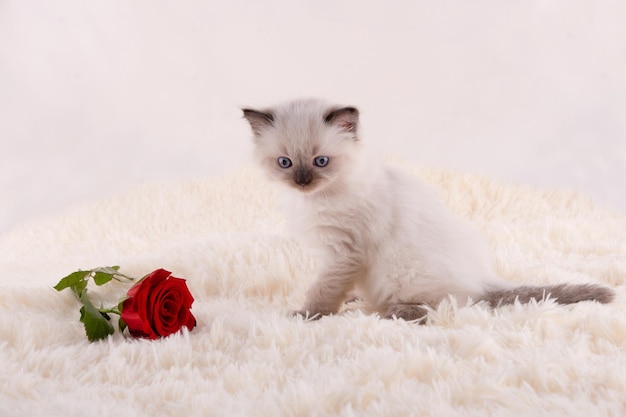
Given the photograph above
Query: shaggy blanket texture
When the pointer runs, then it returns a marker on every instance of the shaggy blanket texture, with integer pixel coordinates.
(246, 357)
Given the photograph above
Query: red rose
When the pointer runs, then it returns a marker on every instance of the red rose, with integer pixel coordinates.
(157, 306)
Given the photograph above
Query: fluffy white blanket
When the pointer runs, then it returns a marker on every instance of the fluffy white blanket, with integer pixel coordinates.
(247, 358)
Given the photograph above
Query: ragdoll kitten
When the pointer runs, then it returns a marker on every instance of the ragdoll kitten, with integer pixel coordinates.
(378, 230)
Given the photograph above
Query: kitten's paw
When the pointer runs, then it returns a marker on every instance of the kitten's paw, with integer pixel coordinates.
(408, 312)
(353, 299)
(305, 315)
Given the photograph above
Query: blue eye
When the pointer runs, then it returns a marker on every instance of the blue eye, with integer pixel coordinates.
(284, 162)
(321, 161)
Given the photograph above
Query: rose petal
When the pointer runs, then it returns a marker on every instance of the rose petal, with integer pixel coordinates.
(137, 310)
(158, 305)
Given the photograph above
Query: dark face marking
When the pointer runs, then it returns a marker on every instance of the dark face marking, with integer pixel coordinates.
(303, 176)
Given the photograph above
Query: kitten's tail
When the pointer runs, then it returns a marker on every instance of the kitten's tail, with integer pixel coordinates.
(562, 294)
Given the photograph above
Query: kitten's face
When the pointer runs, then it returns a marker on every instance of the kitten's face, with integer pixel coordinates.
(306, 145)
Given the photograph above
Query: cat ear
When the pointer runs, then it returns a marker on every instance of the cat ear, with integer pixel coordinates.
(258, 120)
(345, 118)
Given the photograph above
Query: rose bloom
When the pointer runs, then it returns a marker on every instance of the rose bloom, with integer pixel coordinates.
(157, 306)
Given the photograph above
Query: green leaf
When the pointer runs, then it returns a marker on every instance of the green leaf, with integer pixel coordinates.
(97, 325)
(120, 303)
(74, 280)
(111, 270)
(101, 278)
(122, 325)
(79, 288)
(120, 306)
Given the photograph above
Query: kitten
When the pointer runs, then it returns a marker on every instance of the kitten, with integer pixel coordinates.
(377, 229)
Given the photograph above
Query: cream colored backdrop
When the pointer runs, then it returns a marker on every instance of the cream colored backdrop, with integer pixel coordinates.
(96, 97)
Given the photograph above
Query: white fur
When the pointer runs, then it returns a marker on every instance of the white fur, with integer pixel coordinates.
(377, 228)
(414, 249)
(246, 358)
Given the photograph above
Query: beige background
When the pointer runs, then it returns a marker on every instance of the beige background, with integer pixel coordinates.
(96, 97)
